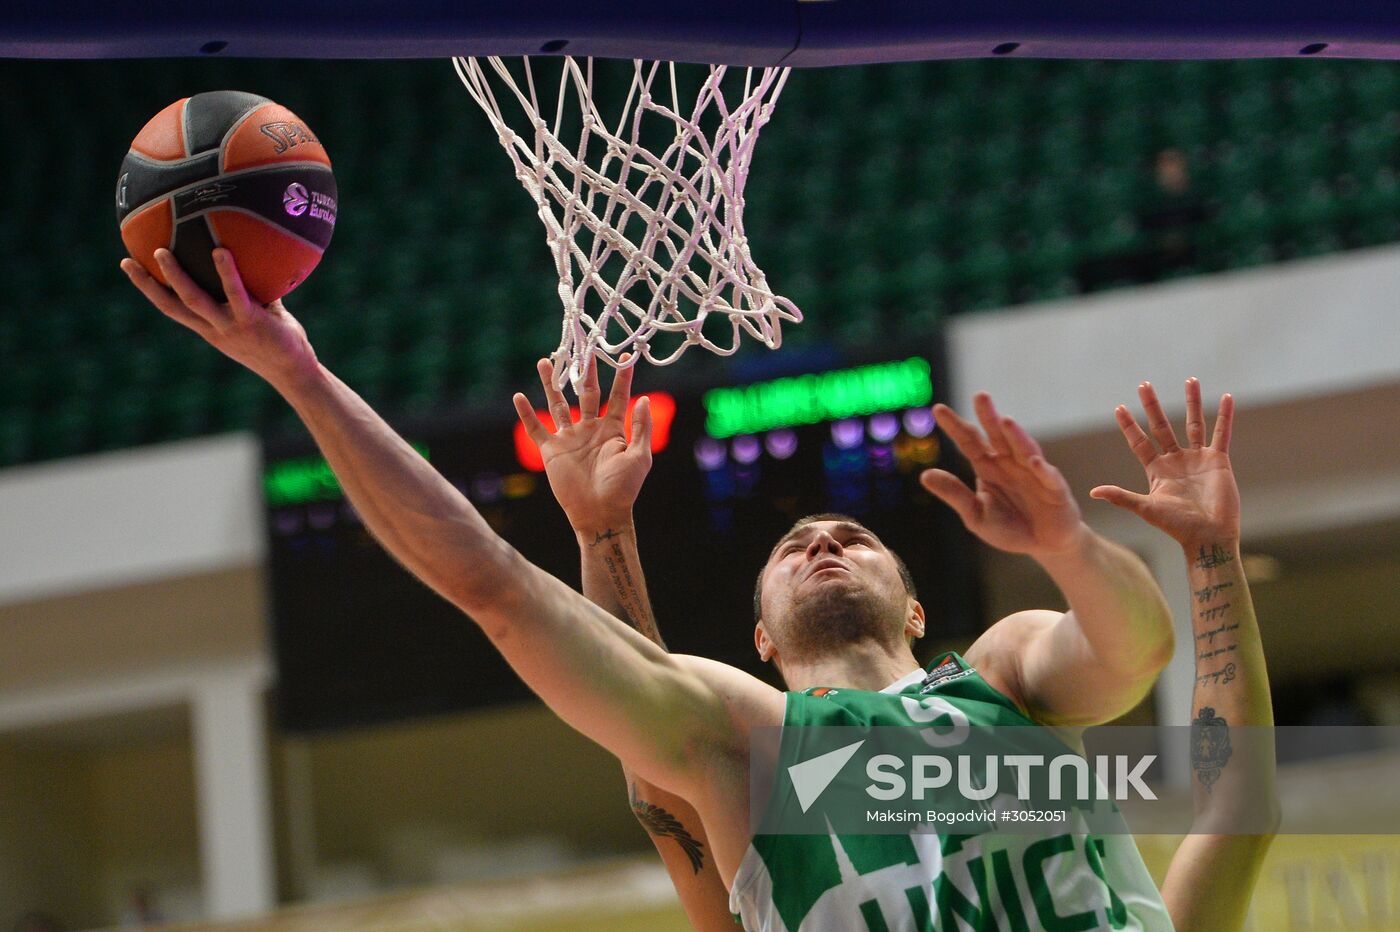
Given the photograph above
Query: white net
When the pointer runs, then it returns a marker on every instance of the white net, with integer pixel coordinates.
(644, 213)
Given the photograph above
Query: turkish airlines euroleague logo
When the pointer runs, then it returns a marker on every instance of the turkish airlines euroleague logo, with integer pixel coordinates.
(296, 201)
(286, 136)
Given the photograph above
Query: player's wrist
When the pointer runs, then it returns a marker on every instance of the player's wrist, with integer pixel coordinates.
(1073, 546)
(604, 528)
(294, 376)
(1227, 542)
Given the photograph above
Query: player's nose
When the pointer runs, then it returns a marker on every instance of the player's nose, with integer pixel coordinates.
(823, 543)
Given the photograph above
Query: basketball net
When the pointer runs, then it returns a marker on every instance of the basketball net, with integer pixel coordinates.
(646, 240)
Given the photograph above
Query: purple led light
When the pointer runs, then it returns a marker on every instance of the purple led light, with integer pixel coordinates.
(919, 422)
(884, 427)
(781, 444)
(288, 521)
(321, 517)
(487, 488)
(709, 454)
(847, 433)
(746, 449)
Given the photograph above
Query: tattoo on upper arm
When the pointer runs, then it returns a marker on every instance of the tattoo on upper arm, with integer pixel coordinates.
(662, 824)
(1210, 746)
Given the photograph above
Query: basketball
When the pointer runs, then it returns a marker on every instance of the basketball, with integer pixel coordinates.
(231, 169)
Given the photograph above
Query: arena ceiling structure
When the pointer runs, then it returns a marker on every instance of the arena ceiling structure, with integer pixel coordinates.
(738, 32)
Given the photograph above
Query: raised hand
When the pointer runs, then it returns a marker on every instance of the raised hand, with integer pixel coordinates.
(1021, 504)
(594, 471)
(1191, 491)
(266, 339)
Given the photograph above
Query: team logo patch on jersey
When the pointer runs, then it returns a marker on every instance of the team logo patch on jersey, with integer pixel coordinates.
(823, 691)
(946, 671)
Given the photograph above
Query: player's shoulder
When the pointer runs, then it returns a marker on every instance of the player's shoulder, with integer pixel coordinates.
(998, 652)
(749, 700)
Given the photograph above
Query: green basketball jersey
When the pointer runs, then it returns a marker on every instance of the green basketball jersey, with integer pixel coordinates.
(926, 882)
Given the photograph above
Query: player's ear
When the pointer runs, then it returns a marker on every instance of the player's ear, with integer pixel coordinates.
(914, 624)
(766, 649)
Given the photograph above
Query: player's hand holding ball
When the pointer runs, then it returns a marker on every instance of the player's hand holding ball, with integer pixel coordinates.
(1021, 504)
(265, 338)
(216, 174)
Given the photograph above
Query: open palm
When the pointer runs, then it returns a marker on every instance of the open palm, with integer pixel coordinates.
(1020, 504)
(1191, 494)
(594, 471)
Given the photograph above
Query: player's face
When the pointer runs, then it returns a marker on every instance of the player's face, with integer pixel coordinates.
(829, 582)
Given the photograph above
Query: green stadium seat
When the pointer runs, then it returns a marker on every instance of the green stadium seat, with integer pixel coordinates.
(63, 430)
(242, 402)
(438, 287)
(983, 277)
(16, 442)
(124, 419)
(183, 409)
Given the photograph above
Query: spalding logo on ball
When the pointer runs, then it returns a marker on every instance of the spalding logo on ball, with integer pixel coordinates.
(234, 170)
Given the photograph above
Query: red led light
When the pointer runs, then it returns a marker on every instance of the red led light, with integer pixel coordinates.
(663, 412)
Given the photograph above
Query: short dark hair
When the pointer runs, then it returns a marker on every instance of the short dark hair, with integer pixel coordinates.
(905, 576)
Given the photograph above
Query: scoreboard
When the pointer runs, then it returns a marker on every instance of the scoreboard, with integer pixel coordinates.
(358, 640)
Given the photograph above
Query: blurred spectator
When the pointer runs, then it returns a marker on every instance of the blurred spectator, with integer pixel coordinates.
(141, 909)
(1172, 222)
(38, 922)
(1169, 224)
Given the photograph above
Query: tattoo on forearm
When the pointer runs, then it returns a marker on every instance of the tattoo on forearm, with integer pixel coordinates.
(1210, 634)
(1210, 746)
(1212, 613)
(1217, 677)
(609, 534)
(662, 824)
(636, 609)
(1216, 652)
(1216, 556)
(1209, 592)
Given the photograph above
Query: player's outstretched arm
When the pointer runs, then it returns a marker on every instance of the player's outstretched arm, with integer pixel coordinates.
(1080, 667)
(1192, 496)
(596, 473)
(657, 711)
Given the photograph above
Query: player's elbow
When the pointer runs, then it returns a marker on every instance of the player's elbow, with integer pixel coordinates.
(1148, 654)
(1267, 816)
(489, 584)
(1160, 647)
(1156, 641)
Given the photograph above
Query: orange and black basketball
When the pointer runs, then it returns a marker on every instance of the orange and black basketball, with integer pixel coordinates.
(228, 169)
